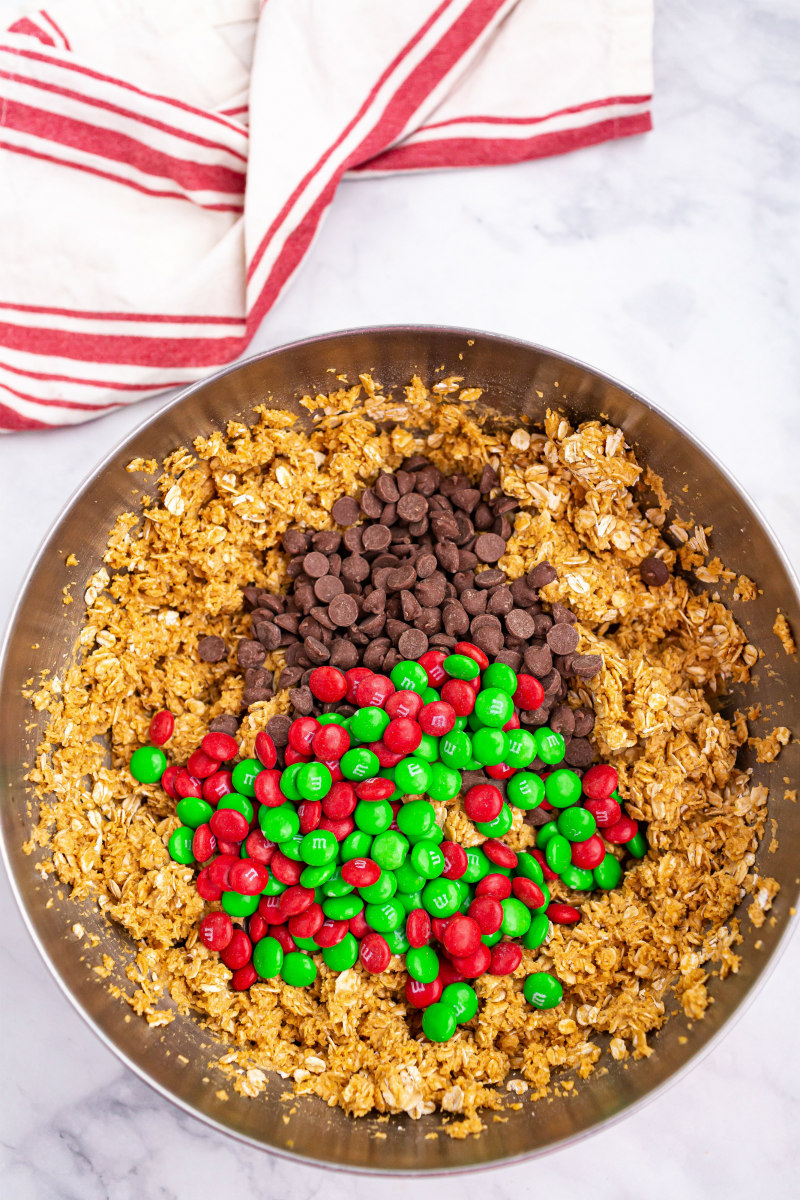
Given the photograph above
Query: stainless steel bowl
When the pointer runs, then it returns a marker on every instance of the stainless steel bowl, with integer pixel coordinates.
(518, 378)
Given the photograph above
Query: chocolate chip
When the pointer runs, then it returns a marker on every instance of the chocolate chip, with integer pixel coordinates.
(584, 721)
(562, 639)
(373, 625)
(500, 602)
(466, 499)
(490, 578)
(427, 481)
(345, 510)
(474, 601)
(315, 564)
(278, 729)
(415, 462)
(405, 482)
(483, 518)
(385, 489)
(486, 621)
(389, 515)
(294, 541)
(375, 653)
(653, 571)
(412, 644)
(489, 480)
(540, 576)
(411, 607)
(375, 601)
(302, 700)
(523, 596)
(520, 623)
(455, 618)
(543, 623)
(585, 666)
(562, 719)
(447, 554)
(316, 650)
(511, 658)
(401, 578)
(444, 527)
(376, 538)
(226, 723)
(425, 565)
(562, 615)
(355, 568)
(343, 611)
(352, 539)
(430, 592)
(412, 507)
(250, 654)
(579, 752)
(290, 677)
(429, 621)
(371, 506)
(489, 640)
(327, 587)
(539, 661)
(327, 541)
(268, 634)
(502, 527)
(212, 648)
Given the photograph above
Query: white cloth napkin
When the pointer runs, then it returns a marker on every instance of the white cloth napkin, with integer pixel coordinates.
(165, 164)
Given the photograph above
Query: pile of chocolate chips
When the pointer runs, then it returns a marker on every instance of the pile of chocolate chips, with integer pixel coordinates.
(417, 572)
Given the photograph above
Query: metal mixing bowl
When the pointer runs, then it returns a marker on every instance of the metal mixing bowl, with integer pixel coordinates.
(519, 379)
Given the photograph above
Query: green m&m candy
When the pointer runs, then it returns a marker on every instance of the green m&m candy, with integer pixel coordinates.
(193, 811)
(637, 846)
(499, 826)
(422, 964)
(544, 833)
(314, 781)
(440, 897)
(538, 931)
(558, 853)
(180, 846)
(428, 748)
(412, 775)
(516, 918)
(288, 781)
(382, 889)
(550, 746)
(359, 764)
(343, 955)
(577, 878)
(439, 1022)
(416, 819)
(499, 675)
(461, 666)
(478, 865)
(319, 848)
(148, 764)
(409, 676)
(342, 908)
(493, 707)
(389, 850)
(462, 999)
(455, 749)
(529, 867)
(279, 824)
(576, 824)
(383, 917)
(562, 788)
(314, 877)
(336, 886)
(396, 940)
(542, 990)
(268, 958)
(525, 789)
(427, 859)
(368, 724)
(244, 776)
(298, 970)
(489, 747)
(373, 816)
(608, 873)
(445, 782)
(236, 905)
(520, 748)
(357, 844)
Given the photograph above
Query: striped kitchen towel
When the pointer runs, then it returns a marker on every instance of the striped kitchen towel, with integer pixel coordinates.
(165, 164)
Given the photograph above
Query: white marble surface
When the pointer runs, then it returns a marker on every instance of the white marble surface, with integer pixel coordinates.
(669, 260)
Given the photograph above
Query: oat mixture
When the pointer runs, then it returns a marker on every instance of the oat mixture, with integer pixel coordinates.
(174, 573)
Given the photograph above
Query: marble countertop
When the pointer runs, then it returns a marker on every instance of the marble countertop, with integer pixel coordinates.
(668, 260)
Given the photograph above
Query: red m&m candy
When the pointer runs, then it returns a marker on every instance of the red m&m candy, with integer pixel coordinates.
(328, 684)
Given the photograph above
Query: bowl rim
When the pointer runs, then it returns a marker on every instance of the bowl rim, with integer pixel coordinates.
(184, 394)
